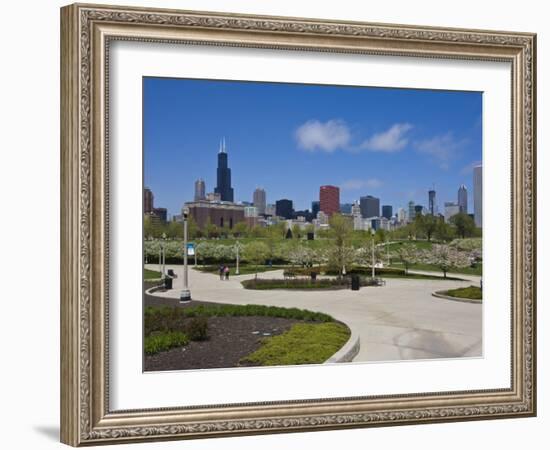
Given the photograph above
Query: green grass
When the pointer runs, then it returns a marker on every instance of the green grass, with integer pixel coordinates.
(304, 343)
(151, 275)
(471, 292)
(244, 269)
(160, 342)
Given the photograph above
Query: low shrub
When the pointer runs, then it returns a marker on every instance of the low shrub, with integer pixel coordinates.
(197, 328)
(162, 318)
(367, 271)
(161, 342)
(305, 283)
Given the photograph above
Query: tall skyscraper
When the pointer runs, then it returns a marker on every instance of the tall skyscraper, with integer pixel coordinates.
(432, 208)
(478, 195)
(223, 176)
(148, 201)
(370, 206)
(284, 208)
(387, 211)
(463, 199)
(401, 215)
(259, 200)
(451, 209)
(329, 199)
(411, 213)
(315, 208)
(200, 190)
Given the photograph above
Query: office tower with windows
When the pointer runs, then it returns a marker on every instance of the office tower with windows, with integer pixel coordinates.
(387, 211)
(223, 186)
(463, 199)
(259, 200)
(200, 190)
(329, 199)
(370, 206)
(478, 196)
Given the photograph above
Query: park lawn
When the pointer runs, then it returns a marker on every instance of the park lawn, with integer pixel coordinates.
(478, 270)
(244, 269)
(304, 343)
(471, 292)
(151, 275)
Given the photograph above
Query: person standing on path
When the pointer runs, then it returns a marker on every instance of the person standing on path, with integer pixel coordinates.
(226, 270)
(221, 271)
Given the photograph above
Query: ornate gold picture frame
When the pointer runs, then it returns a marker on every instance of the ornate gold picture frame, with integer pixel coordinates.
(87, 32)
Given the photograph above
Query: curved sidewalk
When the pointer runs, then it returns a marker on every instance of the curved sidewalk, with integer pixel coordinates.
(399, 321)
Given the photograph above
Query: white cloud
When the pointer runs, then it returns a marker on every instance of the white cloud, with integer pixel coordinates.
(392, 140)
(443, 148)
(355, 185)
(326, 137)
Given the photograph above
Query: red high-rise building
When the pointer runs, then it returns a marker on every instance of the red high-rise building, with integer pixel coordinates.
(329, 199)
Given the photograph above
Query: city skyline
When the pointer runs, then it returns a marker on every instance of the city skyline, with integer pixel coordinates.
(395, 161)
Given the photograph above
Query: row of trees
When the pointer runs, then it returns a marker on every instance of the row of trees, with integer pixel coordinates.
(429, 227)
(424, 227)
(340, 257)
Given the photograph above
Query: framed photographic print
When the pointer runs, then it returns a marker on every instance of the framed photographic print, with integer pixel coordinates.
(277, 224)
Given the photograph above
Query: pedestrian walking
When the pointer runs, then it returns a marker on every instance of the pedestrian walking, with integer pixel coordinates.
(221, 270)
(226, 270)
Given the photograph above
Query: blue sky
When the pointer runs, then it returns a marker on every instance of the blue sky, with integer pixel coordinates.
(290, 139)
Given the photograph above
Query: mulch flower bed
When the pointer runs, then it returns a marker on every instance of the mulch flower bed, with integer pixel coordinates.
(229, 340)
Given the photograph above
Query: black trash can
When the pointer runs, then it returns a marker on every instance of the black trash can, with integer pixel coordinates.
(313, 276)
(168, 283)
(355, 282)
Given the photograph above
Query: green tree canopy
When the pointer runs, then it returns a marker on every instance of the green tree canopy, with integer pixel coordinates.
(465, 225)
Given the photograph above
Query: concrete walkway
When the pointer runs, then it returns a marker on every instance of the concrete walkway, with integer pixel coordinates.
(398, 321)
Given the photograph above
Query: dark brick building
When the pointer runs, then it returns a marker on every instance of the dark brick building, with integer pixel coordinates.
(221, 214)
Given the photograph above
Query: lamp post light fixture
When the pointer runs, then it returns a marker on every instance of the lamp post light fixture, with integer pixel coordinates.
(164, 255)
(185, 295)
(237, 249)
(161, 248)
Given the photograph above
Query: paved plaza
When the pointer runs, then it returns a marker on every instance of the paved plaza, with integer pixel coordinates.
(399, 321)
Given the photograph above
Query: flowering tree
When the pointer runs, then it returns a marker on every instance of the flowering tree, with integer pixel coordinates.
(301, 256)
(363, 255)
(408, 254)
(340, 257)
(446, 258)
(256, 253)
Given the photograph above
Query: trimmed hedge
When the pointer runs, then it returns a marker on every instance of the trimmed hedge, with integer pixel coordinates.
(163, 316)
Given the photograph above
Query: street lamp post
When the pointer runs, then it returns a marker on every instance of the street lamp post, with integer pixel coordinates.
(372, 231)
(237, 247)
(185, 295)
(160, 259)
